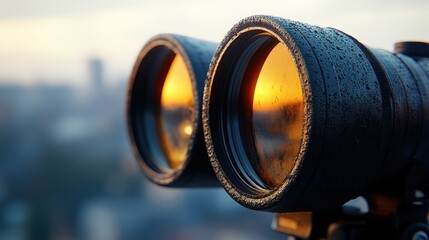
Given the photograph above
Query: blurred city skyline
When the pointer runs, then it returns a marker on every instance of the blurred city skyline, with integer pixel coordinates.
(66, 167)
(67, 172)
(51, 41)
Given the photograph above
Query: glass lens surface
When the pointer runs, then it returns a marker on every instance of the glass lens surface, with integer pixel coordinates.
(277, 116)
(176, 113)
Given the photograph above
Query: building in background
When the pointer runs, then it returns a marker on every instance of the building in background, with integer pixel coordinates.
(96, 73)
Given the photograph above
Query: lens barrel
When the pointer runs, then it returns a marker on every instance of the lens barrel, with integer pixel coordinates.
(365, 117)
(164, 111)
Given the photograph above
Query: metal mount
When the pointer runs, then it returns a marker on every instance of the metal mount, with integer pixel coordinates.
(401, 216)
(390, 219)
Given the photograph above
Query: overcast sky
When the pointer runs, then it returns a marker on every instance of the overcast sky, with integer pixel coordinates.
(51, 40)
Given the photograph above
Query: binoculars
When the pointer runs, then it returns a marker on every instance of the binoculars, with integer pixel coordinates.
(285, 116)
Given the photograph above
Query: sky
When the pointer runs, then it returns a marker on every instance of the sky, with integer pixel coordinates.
(51, 41)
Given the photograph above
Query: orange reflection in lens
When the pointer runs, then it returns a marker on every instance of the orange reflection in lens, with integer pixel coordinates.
(177, 112)
(277, 116)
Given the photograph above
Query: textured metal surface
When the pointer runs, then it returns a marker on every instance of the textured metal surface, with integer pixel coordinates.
(141, 105)
(365, 116)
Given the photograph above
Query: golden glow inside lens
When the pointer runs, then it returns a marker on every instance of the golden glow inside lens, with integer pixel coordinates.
(277, 116)
(176, 115)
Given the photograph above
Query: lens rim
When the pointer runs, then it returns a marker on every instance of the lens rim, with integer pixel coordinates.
(215, 118)
(143, 112)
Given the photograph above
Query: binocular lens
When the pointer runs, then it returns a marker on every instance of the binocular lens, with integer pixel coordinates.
(298, 117)
(164, 108)
(277, 114)
(176, 113)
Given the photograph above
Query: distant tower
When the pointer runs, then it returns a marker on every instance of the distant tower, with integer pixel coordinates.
(96, 73)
